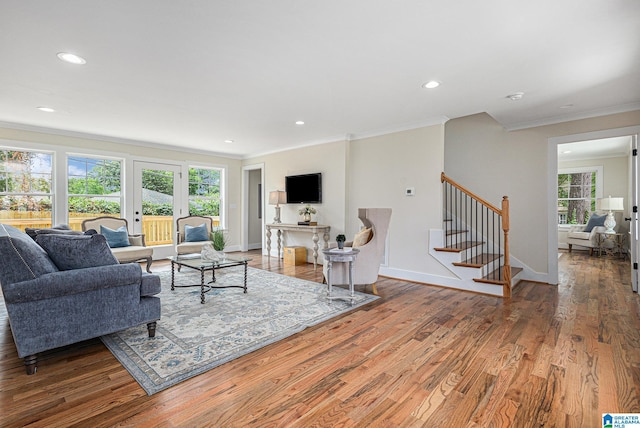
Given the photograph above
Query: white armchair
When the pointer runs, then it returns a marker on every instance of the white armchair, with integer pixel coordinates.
(591, 239)
(577, 236)
(367, 264)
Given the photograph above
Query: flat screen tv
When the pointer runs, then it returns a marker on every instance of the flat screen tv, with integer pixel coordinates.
(305, 188)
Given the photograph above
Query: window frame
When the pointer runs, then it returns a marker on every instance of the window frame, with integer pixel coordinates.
(121, 198)
(53, 182)
(221, 188)
(598, 169)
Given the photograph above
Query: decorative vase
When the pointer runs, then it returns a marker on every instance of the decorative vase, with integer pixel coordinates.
(307, 216)
(340, 245)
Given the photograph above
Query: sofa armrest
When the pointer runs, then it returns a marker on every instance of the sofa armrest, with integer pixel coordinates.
(70, 282)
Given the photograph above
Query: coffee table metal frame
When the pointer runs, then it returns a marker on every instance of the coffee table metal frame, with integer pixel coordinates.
(203, 266)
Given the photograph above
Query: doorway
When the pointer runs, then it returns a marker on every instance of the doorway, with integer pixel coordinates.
(611, 183)
(253, 212)
(156, 205)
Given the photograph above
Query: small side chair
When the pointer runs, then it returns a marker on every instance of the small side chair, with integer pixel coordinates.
(189, 238)
(135, 251)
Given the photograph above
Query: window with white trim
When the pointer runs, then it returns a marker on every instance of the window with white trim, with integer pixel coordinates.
(26, 188)
(578, 189)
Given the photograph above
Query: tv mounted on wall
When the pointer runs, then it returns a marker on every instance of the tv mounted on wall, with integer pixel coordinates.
(305, 188)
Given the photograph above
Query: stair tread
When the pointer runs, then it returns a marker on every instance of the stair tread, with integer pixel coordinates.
(455, 232)
(479, 260)
(460, 246)
(494, 277)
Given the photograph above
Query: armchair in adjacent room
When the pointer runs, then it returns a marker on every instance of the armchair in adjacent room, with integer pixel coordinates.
(127, 248)
(371, 243)
(588, 235)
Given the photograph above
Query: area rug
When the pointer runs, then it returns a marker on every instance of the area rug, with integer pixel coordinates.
(192, 338)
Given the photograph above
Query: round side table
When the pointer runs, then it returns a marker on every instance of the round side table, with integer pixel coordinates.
(335, 255)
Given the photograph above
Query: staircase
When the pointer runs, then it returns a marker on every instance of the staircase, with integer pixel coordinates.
(474, 241)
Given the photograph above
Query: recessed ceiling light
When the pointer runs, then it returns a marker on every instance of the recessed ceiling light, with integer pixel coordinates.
(515, 96)
(71, 58)
(46, 109)
(228, 141)
(432, 84)
(567, 106)
(299, 122)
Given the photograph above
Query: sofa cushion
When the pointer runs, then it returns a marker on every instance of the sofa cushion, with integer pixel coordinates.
(21, 258)
(61, 228)
(116, 238)
(196, 233)
(77, 251)
(595, 220)
(579, 235)
(132, 252)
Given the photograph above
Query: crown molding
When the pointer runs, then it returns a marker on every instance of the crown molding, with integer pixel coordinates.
(570, 117)
(106, 138)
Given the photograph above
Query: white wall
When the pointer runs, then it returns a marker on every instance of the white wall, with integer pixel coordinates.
(491, 161)
(380, 170)
(328, 159)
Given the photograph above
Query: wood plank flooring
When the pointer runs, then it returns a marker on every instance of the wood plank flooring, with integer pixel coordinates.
(419, 356)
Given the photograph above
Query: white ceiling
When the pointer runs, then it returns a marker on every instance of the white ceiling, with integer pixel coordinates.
(595, 149)
(195, 73)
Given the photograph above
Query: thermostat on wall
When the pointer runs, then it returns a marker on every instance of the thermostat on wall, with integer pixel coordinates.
(410, 191)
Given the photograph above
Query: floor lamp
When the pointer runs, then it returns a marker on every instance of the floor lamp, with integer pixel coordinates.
(276, 198)
(610, 204)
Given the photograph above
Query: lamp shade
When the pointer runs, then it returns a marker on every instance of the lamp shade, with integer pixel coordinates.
(611, 204)
(277, 197)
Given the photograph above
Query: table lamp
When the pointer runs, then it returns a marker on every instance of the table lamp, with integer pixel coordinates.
(276, 198)
(610, 204)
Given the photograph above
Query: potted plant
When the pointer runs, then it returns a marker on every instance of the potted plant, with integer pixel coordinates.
(340, 240)
(218, 239)
(306, 212)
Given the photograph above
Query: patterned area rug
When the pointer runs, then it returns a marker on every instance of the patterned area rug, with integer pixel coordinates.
(192, 338)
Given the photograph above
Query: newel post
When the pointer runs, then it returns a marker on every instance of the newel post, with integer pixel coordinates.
(507, 264)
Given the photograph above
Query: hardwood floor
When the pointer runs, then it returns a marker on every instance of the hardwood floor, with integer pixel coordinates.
(419, 356)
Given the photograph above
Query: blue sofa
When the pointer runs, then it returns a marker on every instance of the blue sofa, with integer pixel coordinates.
(64, 288)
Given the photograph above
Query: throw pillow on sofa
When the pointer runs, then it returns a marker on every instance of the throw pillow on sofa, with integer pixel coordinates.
(61, 228)
(77, 251)
(116, 238)
(196, 233)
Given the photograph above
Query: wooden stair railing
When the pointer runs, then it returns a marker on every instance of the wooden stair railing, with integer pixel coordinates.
(467, 213)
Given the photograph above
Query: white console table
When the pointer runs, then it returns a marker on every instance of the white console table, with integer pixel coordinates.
(315, 230)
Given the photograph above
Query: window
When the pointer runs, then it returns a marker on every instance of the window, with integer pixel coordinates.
(204, 192)
(577, 193)
(26, 188)
(93, 189)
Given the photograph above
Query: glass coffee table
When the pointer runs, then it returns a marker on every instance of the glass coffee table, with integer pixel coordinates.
(197, 263)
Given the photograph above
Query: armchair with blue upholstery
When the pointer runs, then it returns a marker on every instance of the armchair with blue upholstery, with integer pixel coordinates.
(65, 288)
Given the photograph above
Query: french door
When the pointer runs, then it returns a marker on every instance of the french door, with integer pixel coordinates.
(156, 203)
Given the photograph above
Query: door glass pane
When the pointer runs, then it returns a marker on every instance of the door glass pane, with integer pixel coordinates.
(157, 206)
